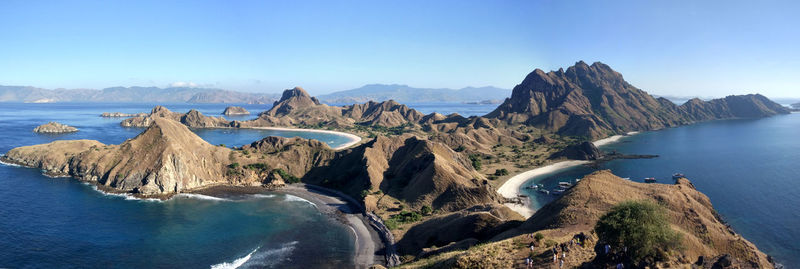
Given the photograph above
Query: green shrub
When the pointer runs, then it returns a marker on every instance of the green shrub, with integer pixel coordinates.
(460, 149)
(407, 217)
(641, 226)
(391, 224)
(538, 237)
(257, 166)
(501, 172)
(426, 210)
(233, 165)
(288, 178)
(476, 161)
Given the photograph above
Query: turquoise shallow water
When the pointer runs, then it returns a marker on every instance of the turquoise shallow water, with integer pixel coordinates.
(62, 223)
(750, 169)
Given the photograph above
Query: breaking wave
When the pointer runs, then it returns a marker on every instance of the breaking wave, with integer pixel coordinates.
(256, 259)
(292, 198)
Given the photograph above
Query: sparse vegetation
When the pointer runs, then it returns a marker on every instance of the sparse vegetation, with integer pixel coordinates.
(501, 172)
(476, 161)
(538, 237)
(407, 217)
(426, 210)
(459, 149)
(288, 178)
(257, 166)
(233, 165)
(642, 227)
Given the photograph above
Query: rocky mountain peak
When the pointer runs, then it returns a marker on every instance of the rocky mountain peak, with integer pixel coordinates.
(292, 99)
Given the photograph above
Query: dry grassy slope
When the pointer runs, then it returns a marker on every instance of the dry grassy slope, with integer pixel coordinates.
(689, 212)
(168, 158)
(193, 119)
(595, 101)
(417, 171)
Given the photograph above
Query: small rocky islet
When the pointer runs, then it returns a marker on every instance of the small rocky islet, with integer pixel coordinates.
(235, 111)
(54, 128)
(431, 177)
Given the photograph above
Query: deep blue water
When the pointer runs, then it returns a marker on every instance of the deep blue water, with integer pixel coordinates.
(750, 169)
(62, 223)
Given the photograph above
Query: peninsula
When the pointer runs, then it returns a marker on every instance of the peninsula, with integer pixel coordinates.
(431, 179)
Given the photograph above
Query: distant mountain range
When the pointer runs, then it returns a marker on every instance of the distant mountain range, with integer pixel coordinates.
(407, 94)
(371, 92)
(133, 95)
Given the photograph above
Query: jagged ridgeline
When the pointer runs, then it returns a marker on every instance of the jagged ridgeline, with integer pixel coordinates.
(430, 177)
(595, 101)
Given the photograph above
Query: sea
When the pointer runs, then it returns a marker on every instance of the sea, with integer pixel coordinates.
(749, 169)
(63, 223)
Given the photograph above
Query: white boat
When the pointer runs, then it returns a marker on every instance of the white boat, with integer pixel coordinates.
(565, 185)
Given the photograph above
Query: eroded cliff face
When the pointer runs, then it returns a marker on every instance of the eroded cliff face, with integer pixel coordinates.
(192, 119)
(168, 158)
(595, 101)
(419, 172)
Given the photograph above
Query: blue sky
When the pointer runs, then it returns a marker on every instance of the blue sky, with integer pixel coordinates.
(697, 48)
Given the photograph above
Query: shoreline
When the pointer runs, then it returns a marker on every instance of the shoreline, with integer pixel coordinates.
(511, 188)
(334, 205)
(611, 139)
(354, 139)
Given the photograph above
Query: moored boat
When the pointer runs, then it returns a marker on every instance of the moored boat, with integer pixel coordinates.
(650, 180)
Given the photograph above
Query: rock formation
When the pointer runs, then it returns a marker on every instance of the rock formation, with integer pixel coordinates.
(168, 158)
(54, 128)
(707, 240)
(192, 119)
(235, 111)
(419, 172)
(297, 108)
(595, 101)
(583, 151)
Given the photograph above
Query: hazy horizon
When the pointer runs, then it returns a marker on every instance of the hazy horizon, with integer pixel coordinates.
(677, 48)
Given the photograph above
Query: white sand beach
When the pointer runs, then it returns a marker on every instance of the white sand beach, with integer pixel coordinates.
(612, 139)
(511, 188)
(354, 139)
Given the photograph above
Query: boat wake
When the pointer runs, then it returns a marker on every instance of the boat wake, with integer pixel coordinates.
(292, 198)
(264, 259)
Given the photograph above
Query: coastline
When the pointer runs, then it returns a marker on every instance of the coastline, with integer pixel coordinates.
(331, 203)
(511, 188)
(611, 139)
(354, 139)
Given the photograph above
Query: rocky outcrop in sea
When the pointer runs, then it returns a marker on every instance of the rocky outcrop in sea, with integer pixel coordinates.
(54, 128)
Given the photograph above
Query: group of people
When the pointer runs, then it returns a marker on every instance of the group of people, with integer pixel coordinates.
(559, 251)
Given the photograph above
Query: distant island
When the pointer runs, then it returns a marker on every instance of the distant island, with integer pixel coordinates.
(407, 94)
(796, 106)
(132, 95)
(432, 180)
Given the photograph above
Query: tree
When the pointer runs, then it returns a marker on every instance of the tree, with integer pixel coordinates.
(642, 227)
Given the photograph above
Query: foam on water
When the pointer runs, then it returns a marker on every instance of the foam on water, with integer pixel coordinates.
(9, 164)
(201, 197)
(263, 259)
(235, 263)
(292, 198)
